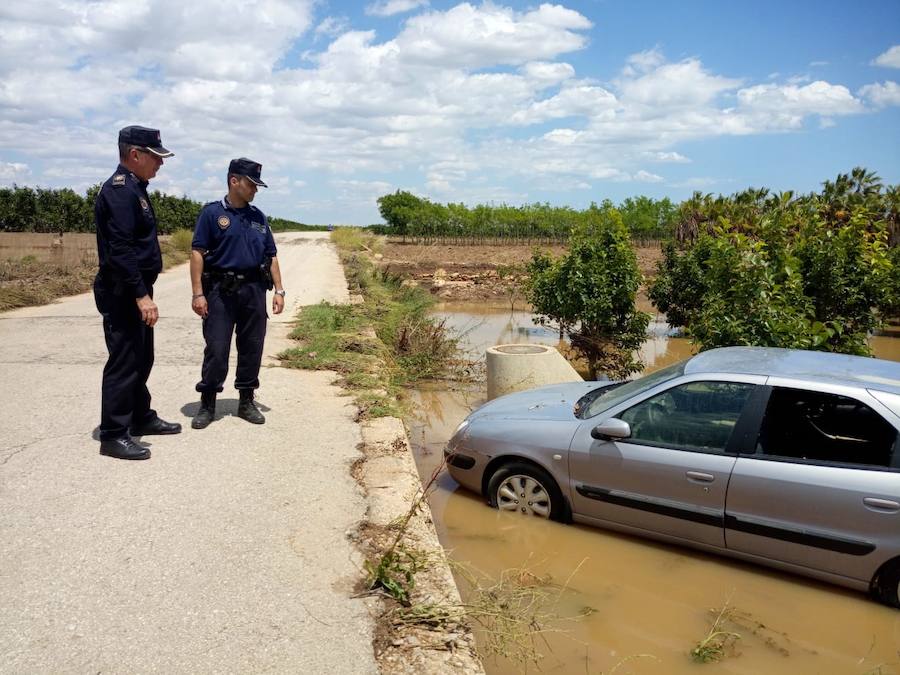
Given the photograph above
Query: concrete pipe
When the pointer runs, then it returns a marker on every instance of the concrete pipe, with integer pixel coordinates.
(516, 367)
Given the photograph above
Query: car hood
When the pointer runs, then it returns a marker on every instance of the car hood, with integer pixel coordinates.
(554, 402)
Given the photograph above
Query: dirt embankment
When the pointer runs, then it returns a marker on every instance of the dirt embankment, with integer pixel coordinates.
(457, 273)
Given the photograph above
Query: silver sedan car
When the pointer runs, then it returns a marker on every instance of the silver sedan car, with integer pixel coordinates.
(782, 457)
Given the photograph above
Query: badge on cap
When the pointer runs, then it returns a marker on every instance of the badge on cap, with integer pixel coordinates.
(224, 222)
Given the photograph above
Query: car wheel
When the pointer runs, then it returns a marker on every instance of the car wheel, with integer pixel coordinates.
(887, 584)
(527, 490)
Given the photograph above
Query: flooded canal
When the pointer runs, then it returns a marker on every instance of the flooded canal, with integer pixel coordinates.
(632, 605)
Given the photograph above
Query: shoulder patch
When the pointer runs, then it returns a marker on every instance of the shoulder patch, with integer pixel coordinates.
(118, 180)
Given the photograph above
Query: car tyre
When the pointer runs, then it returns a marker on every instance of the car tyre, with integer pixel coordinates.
(886, 587)
(527, 490)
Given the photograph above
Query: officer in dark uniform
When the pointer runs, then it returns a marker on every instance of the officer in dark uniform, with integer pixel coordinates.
(130, 261)
(233, 263)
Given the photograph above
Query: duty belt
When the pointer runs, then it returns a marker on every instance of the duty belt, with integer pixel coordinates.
(230, 280)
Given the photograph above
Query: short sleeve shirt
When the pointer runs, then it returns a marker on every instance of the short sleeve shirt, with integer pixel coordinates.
(234, 239)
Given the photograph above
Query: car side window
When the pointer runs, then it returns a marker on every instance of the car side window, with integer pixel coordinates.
(817, 426)
(697, 416)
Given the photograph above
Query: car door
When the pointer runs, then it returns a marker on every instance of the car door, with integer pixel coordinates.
(670, 476)
(822, 487)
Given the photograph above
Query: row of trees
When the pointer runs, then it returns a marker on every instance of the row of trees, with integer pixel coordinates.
(25, 209)
(407, 215)
(819, 271)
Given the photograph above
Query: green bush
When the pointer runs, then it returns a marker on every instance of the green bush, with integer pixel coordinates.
(590, 292)
(813, 272)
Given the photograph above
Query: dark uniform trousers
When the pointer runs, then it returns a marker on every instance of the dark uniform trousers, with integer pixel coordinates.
(125, 398)
(241, 312)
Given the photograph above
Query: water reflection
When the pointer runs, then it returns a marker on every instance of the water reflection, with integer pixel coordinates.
(647, 598)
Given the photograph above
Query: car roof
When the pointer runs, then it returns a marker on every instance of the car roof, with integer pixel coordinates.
(859, 371)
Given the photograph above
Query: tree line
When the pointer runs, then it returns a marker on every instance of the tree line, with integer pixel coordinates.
(408, 215)
(26, 209)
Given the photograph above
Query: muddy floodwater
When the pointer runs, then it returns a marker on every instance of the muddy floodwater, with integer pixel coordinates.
(630, 605)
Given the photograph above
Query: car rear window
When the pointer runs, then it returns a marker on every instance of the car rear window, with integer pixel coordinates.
(823, 427)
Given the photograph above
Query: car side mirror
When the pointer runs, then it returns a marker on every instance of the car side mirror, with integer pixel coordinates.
(611, 429)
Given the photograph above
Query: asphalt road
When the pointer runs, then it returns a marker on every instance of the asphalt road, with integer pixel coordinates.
(225, 552)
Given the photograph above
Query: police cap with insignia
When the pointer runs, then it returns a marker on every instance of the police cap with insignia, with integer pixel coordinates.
(144, 138)
(247, 167)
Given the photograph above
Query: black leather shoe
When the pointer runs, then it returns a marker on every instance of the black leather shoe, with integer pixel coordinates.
(124, 448)
(157, 427)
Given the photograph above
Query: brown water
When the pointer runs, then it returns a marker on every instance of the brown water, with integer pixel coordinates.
(650, 602)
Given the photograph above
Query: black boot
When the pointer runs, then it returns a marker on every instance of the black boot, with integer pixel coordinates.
(207, 411)
(247, 409)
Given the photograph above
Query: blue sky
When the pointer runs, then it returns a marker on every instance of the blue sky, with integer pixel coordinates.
(499, 102)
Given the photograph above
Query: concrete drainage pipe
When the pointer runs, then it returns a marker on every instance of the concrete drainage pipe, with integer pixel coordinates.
(516, 367)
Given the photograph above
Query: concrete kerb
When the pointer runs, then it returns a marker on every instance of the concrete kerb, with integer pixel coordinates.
(391, 482)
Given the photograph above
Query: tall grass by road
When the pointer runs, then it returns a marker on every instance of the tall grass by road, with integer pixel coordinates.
(379, 344)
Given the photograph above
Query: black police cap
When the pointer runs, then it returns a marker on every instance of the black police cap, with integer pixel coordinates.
(144, 138)
(247, 167)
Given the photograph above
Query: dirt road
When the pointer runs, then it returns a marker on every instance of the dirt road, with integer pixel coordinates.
(225, 552)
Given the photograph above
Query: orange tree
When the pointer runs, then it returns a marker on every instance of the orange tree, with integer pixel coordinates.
(589, 292)
(814, 272)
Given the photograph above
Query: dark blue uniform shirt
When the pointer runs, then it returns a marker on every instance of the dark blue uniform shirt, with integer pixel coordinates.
(127, 243)
(234, 239)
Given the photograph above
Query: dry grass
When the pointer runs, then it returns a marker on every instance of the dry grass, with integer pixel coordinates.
(26, 282)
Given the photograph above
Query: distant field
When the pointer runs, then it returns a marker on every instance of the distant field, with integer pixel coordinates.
(62, 250)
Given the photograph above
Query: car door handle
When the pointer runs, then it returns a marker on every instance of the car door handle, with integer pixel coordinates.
(702, 477)
(882, 504)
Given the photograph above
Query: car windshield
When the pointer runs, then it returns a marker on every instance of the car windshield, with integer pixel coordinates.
(610, 396)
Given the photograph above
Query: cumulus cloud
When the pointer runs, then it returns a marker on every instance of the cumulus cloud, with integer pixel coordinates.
(331, 26)
(391, 7)
(683, 84)
(475, 101)
(667, 157)
(881, 95)
(890, 58)
(647, 177)
(489, 35)
(10, 172)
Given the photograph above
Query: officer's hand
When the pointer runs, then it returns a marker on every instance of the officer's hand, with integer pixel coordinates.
(199, 306)
(149, 311)
(277, 304)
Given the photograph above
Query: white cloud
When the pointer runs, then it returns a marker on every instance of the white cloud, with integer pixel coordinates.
(769, 106)
(683, 84)
(547, 73)
(489, 35)
(881, 95)
(10, 172)
(332, 26)
(474, 102)
(668, 157)
(890, 58)
(647, 177)
(391, 7)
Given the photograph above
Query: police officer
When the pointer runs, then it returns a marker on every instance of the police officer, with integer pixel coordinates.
(233, 263)
(130, 261)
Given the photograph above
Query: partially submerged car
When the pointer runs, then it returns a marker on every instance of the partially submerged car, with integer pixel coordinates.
(786, 458)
